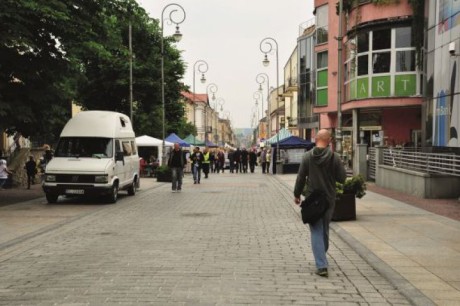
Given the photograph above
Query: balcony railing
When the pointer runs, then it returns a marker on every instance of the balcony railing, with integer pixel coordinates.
(311, 119)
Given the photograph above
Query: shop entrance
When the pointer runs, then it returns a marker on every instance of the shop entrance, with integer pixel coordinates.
(372, 136)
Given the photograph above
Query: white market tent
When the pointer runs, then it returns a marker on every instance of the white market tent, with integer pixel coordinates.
(148, 141)
(283, 133)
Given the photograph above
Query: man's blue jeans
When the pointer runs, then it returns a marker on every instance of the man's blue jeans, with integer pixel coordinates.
(196, 173)
(177, 174)
(320, 241)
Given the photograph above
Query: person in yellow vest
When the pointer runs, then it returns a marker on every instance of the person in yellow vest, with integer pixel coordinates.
(206, 161)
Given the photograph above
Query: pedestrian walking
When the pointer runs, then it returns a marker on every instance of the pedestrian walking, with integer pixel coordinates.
(320, 169)
(268, 157)
(176, 162)
(31, 169)
(221, 160)
(252, 160)
(231, 159)
(4, 172)
(263, 159)
(197, 161)
(206, 162)
(244, 160)
(237, 157)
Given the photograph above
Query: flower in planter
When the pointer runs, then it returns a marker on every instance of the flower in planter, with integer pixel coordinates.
(353, 185)
(162, 170)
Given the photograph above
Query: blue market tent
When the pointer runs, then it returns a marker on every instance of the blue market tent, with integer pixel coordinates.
(174, 138)
(210, 144)
(294, 142)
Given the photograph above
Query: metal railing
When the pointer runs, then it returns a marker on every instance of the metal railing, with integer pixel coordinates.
(371, 163)
(448, 164)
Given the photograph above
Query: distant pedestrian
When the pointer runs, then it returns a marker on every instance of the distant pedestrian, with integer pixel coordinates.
(231, 159)
(263, 160)
(4, 172)
(252, 160)
(176, 162)
(31, 169)
(197, 163)
(268, 157)
(320, 169)
(237, 157)
(244, 160)
(221, 161)
(206, 163)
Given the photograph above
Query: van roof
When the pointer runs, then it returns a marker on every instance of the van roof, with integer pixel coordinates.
(98, 124)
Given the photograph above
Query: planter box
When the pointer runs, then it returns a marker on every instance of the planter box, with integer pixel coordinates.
(345, 208)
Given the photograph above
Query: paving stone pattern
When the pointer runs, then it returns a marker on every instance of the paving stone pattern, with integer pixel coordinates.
(234, 239)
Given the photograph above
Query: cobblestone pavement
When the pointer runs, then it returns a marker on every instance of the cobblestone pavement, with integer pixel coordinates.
(234, 239)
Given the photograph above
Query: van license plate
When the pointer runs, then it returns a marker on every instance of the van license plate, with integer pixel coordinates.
(75, 191)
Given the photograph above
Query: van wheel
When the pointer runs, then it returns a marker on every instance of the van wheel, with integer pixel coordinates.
(113, 196)
(133, 188)
(51, 198)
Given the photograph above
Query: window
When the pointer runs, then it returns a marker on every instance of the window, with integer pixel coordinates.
(363, 64)
(384, 64)
(321, 78)
(322, 16)
(381, 39)
(321, 60)
(85, 147)
(404, 37)
(127, 149)
(405, 61)
(363, 42)
(381, 62)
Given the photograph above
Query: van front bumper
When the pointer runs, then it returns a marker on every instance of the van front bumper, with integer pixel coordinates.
(82, 190)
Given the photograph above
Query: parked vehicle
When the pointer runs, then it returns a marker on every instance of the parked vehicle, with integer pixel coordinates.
(96, 156)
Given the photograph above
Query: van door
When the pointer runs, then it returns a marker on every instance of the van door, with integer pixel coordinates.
(119, 167)
(128, 167)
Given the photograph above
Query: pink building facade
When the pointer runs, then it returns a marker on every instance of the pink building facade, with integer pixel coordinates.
(381, 83)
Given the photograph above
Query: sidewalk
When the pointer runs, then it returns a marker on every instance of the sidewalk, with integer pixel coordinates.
(22, 194)
(416, 249)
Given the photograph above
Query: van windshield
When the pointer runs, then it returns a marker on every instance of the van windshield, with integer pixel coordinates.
(92, 147)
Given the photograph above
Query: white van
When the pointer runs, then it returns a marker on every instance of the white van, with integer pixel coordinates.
(96, 156)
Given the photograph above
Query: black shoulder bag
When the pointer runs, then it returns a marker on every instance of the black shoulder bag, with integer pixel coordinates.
(315, 205)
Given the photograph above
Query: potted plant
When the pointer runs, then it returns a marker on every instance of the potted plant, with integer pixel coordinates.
(345, 204)
(163, 174)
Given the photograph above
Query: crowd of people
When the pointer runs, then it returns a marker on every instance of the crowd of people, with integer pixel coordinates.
(206, 161)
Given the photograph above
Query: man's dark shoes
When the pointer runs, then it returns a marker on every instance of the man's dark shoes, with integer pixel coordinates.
(322, 272)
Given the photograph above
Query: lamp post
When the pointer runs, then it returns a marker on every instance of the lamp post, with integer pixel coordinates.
(200, 66)
(269, 44)
(338, 134)
(213, 89)
(174, 8)
(257, 96)
(261, 78)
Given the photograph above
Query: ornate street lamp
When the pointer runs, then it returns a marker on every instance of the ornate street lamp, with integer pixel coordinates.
(200, 66)
(261, 78)
(213, 89)
(266, 46)
(173, 9)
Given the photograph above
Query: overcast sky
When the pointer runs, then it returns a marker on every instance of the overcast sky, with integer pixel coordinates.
(227, 34)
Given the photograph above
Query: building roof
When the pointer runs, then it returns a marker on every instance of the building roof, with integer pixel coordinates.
(197, 97)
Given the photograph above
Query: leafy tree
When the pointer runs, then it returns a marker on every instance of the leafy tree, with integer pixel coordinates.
(53, 52)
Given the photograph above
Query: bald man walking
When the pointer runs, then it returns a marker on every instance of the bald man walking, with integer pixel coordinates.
(320, 169)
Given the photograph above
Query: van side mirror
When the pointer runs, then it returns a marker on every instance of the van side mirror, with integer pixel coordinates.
(119, 157)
